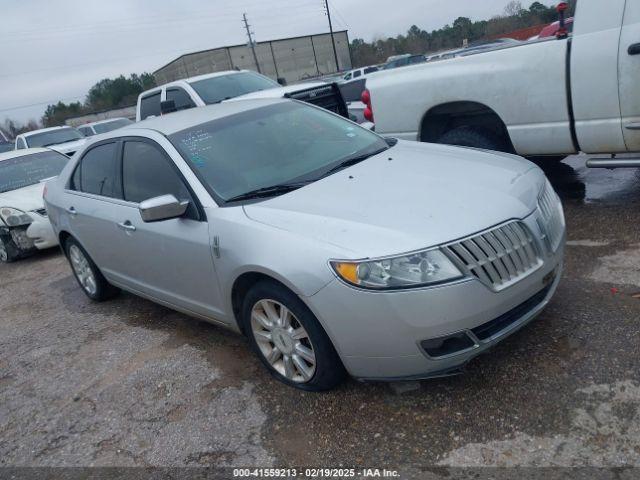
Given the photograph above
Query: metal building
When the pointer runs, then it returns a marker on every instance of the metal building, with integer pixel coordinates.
(293, 59)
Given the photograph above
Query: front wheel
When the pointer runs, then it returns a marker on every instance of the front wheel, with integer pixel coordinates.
(89, 277)
(289, 340)
(9, 251)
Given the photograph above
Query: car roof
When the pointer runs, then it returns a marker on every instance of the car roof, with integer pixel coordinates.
(41, 130)
(205, 76)
(22, 153)
(177, 121)
(99, 122)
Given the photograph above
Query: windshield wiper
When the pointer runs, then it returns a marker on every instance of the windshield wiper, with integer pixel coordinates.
(350, 161)
(271, 191)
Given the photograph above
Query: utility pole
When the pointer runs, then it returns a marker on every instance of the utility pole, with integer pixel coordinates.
(333, 40)
(252, 44)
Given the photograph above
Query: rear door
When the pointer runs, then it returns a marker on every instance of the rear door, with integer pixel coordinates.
(629, 68)
(94, 197)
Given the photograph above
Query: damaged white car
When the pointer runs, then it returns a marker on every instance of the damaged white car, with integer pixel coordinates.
(24, 225)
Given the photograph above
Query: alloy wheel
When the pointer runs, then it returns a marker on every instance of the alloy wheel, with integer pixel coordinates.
(83, 270)
(283, 341)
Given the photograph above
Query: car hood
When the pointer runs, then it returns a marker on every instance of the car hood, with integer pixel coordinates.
(25, 199)
(410, 197)
(69, 146)
(278, 92)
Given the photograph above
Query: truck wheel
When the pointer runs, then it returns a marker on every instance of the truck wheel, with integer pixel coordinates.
(476, 137)
(9, 251)
(289, 340)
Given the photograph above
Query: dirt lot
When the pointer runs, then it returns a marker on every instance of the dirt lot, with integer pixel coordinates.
(129, 383)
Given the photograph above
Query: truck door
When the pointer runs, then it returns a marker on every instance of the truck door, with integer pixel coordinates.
(629, 68)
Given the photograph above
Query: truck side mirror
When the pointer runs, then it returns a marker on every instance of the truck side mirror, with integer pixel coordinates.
(168, 106)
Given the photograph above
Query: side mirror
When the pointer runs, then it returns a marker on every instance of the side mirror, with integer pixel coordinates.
(168, 106)
(161, 208)
(282, 81)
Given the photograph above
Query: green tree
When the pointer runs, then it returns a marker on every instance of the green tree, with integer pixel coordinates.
(106, 94)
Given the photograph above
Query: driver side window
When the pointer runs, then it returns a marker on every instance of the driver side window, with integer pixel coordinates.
(147, 172)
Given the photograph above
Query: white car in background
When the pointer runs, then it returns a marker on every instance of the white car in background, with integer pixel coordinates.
(359, 73)
(103, 126)
(24, 224)
(61, 139)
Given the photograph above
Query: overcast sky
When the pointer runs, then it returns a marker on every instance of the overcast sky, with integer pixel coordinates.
(56, 50)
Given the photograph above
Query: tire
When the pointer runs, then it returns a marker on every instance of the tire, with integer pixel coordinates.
(327, 370)
(87, 274)
(9, 251)
(476, 137)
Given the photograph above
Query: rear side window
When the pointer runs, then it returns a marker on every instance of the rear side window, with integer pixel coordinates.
(181, 98)
(97, 172)
(357, 73)
(148, 173)
(150, 105)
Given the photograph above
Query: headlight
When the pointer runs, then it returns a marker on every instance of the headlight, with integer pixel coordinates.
(418, 269)
(13, 217)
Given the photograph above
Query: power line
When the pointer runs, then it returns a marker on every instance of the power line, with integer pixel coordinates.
(47, 102)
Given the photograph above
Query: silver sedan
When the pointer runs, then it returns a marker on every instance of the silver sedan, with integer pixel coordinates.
(332, 249)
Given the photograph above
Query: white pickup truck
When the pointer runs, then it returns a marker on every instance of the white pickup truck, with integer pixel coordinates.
(233, 85)
(546, 98)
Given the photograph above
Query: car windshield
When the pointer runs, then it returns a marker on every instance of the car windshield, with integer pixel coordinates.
(30, 169)
(53, 137)
(217, 89)
(113, 125)
(283, 143)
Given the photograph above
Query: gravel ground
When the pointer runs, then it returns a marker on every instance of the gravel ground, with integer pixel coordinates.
(130, 383)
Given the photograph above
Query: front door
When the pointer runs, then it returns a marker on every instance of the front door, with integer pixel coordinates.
(169, 260)
(629, 68)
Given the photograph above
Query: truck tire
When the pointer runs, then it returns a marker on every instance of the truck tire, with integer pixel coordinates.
(476, 137)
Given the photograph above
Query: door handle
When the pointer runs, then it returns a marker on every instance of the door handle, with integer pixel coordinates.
(633, 126)
(72, 211)
(128, 226)
(634, 49)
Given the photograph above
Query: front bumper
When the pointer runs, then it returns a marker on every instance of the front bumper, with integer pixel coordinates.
(38, 235)
(378, 334)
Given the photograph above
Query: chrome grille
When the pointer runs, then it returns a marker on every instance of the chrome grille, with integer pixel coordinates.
(498, 257)
(551, 219)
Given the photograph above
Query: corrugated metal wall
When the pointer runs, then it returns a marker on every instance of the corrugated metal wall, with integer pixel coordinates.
(292, 59)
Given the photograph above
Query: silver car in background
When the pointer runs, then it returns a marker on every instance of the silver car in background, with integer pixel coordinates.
(334, 250)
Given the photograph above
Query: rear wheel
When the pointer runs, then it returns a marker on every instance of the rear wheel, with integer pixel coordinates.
(476, 137)
(289, 340)
(9, 251)
(89, 277)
